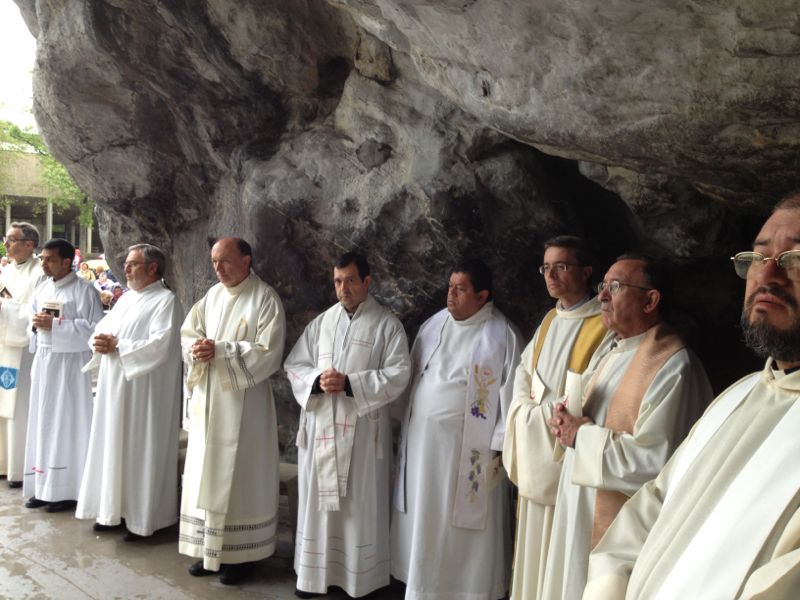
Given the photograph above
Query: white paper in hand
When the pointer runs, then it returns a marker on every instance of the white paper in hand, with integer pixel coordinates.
(573, 394)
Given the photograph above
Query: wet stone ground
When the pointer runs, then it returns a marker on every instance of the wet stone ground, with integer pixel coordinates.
(54, 555)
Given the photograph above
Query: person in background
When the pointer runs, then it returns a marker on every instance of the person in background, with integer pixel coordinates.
(86, 272)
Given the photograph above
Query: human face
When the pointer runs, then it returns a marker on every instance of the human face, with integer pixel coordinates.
(462, 299)
(351, 290)
(631, 310)
(569, 286)
(53, 265)
(231, 266)
(17, 248)
(771, 314)
(139, 273)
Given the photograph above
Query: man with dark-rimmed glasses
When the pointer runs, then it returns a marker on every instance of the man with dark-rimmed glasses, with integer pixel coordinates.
(721, 520)
(635, 409)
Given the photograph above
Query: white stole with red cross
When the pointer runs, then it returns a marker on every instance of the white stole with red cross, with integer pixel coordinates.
(335, 422)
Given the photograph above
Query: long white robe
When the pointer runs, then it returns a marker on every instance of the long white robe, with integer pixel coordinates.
(15, 316)
(434, 558)
(248, 325)
(349, 548)
(132, 463)
(603, 459)
(643, 544)
(528, 417)
(60, 415)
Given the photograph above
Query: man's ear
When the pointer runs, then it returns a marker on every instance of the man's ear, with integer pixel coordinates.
(483, 296)
(653, 300)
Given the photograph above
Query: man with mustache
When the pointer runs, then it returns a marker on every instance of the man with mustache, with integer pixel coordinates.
(722, 520)
(637, 407)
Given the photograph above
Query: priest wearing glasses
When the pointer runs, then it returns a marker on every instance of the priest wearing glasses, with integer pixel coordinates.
(722, 520)
(634, 411)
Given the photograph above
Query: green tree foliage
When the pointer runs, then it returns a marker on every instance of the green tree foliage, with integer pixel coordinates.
(65, 192)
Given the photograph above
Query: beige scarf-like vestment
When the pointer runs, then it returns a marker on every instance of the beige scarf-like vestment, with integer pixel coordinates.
(232, 317)
(660, 343)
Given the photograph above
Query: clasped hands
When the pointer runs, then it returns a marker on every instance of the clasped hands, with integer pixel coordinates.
(564, 426)
(203, 350)
(105, 343)
(331, 381)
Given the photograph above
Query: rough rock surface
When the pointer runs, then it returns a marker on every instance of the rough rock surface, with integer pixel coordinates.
(418, 130)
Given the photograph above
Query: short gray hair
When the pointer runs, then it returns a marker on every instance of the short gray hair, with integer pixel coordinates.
(151, 254)
(29, 231)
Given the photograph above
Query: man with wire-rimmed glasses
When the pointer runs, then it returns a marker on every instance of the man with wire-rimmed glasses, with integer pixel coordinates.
(17, 284)
(568, 342)
(721, 520)
(638, 405)
(131, 473)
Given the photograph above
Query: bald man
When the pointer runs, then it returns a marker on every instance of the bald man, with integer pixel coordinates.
(232, 340)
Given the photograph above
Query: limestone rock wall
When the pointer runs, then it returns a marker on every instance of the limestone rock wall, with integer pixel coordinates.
(417, 130)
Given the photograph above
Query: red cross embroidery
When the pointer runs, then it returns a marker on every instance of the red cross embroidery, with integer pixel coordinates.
(345, 425)
(324, 439)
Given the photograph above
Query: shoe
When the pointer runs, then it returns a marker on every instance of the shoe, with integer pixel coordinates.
(197, 570)
(34, 502)
(14, 484)
(302, 594)
(133, 537)
(236, 573)
(101, 527)
(60, 506)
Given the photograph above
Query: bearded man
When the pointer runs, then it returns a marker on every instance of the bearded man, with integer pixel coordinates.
(722, 520)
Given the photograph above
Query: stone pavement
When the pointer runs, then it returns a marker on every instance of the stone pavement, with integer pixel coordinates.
(45, 555)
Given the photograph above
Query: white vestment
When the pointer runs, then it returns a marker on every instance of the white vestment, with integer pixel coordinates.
(132, 463)
(15, 318)
(650, 536)
(623, 462)
(432, 556)
(529, 442)
(229, 505)
(349, 547)
(60, 415)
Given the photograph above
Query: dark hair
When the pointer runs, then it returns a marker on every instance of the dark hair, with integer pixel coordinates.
(480, 275)
(789, 202)
(29, 231)
(244, 247)
(578, 246)
(655, 273)
(151, 254)
(65, 249)
(349, 258)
